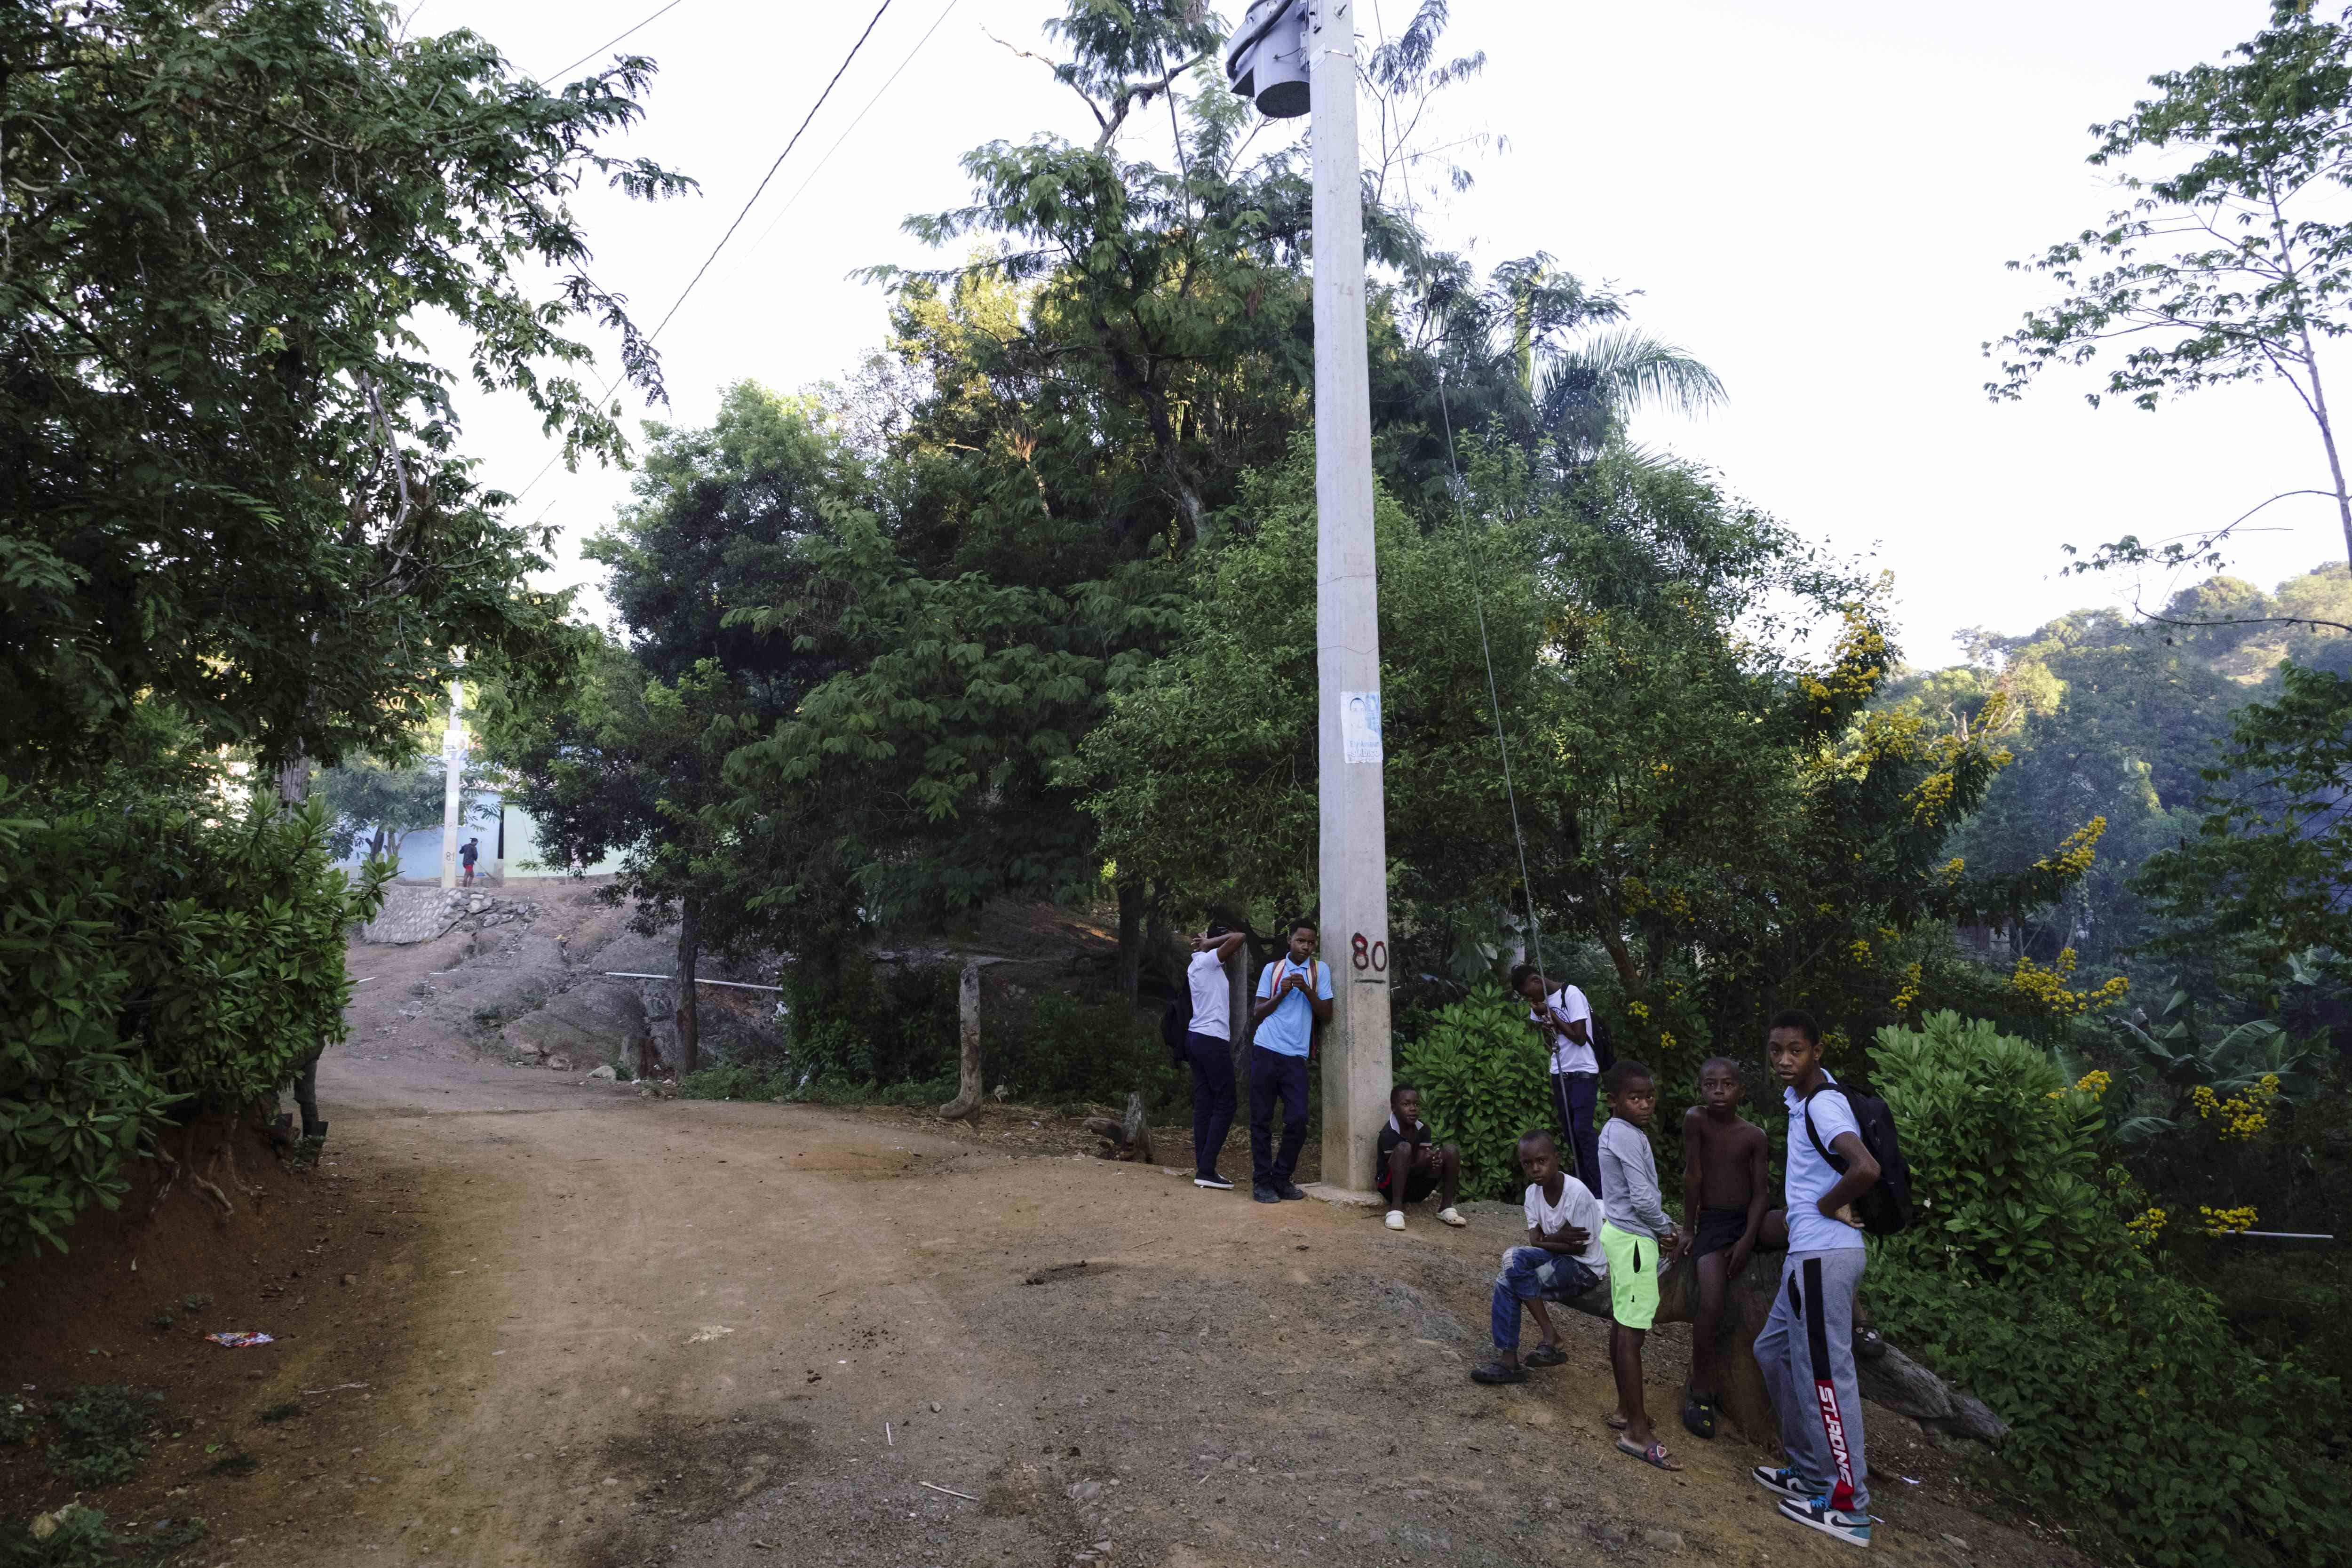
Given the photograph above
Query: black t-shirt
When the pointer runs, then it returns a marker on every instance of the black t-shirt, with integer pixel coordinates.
(1391, 1138)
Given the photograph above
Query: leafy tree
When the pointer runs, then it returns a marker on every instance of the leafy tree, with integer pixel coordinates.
(1683, 789)
(2268, 873)
(2232, 266)
(622, 762)
(228, 465)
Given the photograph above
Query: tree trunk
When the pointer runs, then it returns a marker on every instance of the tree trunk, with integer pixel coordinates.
(1131, 903)
(2327, 438)
(375, 845)
(294, 778)
(689, 1022)
(969, 1074)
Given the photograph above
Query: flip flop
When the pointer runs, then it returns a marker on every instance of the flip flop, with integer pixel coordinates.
(1698, 1417)
(1545, 1355)
(1655, 1454)
(1616, 1422)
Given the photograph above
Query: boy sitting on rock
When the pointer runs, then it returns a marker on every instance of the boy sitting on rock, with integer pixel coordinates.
(1561, 1261)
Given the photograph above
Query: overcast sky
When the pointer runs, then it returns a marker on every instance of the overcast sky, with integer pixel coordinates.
(1817, 198)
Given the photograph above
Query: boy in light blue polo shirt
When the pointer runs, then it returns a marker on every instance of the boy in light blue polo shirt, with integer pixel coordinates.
(1293, 994)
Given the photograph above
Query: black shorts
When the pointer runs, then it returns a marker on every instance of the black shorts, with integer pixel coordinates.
(1418, 1185)
(1718, 1229)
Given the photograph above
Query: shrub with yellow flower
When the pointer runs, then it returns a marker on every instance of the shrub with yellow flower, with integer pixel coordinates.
(2226, 1222)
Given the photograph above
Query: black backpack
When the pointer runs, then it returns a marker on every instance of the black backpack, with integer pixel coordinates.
(1885, 1208)
(1177, 1022)
(1604, 1049)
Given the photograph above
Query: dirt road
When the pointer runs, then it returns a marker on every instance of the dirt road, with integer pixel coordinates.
(633, 1330)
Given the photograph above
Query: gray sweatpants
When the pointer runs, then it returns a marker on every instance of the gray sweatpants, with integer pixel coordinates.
(1806, 1352)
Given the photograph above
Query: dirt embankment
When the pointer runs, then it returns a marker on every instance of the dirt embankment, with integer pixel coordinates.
(598, 1330)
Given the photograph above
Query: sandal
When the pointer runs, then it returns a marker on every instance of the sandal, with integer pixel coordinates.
(1655, 1454)
(1545, 1355)
(1698, 1417)
(1615, 1421)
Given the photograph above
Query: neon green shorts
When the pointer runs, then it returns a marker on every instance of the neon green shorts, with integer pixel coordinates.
(1632, 1276)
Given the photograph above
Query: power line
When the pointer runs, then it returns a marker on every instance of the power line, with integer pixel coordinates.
(772, 169)
(853, 124)
(550, 464)
(600, 48)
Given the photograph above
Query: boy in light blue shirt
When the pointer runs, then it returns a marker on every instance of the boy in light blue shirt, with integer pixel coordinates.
(1293, 994)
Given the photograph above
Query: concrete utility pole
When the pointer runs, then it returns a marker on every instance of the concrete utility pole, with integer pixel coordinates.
(453, 763)
(1297, 57)
(1354, 853)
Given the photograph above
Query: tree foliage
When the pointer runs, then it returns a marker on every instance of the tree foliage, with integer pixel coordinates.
(228, 463)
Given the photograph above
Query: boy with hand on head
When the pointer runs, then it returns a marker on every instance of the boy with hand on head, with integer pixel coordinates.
(1293, 994)
(1725, 1184)
(1806, 1349)
(1563, 1021)
(1209, 1052)
(1637, 1236)
(1561, 1261)
(1411, 1165)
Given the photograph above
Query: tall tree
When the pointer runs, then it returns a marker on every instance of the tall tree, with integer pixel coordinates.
(2233, 265)
(229, 474)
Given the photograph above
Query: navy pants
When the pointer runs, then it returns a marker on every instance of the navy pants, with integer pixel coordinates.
(1573, 1095)
(1272, 1075)
(1212, 1099)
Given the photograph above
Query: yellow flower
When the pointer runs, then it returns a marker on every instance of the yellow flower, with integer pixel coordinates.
(2226, 1222)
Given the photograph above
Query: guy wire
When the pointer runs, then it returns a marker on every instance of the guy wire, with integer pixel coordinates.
(1494, 697)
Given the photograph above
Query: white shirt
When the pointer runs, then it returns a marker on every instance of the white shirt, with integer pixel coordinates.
(1577, 1206)
(1567, 1055)
(1809, 1178)
(1212, 996)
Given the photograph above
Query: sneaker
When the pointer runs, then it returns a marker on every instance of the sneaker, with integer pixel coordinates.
(1289, 1191)
(1494, 1371)
(1782, 1483)
(1213, 1182)
(1815, 1513)
(1265, 1193)
(1396, 1219)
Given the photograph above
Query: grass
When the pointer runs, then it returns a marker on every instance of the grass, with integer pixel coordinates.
(102, 1433)
(736, 1082)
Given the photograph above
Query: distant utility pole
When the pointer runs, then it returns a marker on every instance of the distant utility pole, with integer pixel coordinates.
(1283, 46)
(452, 764)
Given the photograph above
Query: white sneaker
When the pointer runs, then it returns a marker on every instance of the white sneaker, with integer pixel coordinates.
(1453, 1217)
(1396, 1219)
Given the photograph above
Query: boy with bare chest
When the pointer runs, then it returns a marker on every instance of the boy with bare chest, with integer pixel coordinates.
(1726, 1182)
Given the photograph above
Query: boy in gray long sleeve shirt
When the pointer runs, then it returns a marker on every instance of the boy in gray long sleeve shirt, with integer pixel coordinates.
(1638, 1236)
(1630, 1198)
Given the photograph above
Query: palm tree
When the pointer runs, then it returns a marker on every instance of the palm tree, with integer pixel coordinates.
(1593, 389)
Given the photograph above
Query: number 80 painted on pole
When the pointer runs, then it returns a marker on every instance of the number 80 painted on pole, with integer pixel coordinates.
(1373, 956)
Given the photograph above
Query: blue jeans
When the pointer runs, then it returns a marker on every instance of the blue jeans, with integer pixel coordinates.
(1275, 1076)
(1212, 1099)
(1573, 1096)
(1531, 1274)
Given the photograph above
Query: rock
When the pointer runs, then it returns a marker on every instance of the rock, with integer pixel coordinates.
(1903, 1387)
(1951, 1539)
(1085, 1491)
(1662, 1540)
(350, 1279)
(935, 1407)
(604, 1074)
(602, 1020)
(559, 1064)
(1608, 1537)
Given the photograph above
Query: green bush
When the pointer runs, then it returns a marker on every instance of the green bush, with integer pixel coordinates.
(101, 1434)
(1071, 1049)
(72, 1537)
(154, 947)
(2126, 1394)
(1484, 1080)
(2014, 1150)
